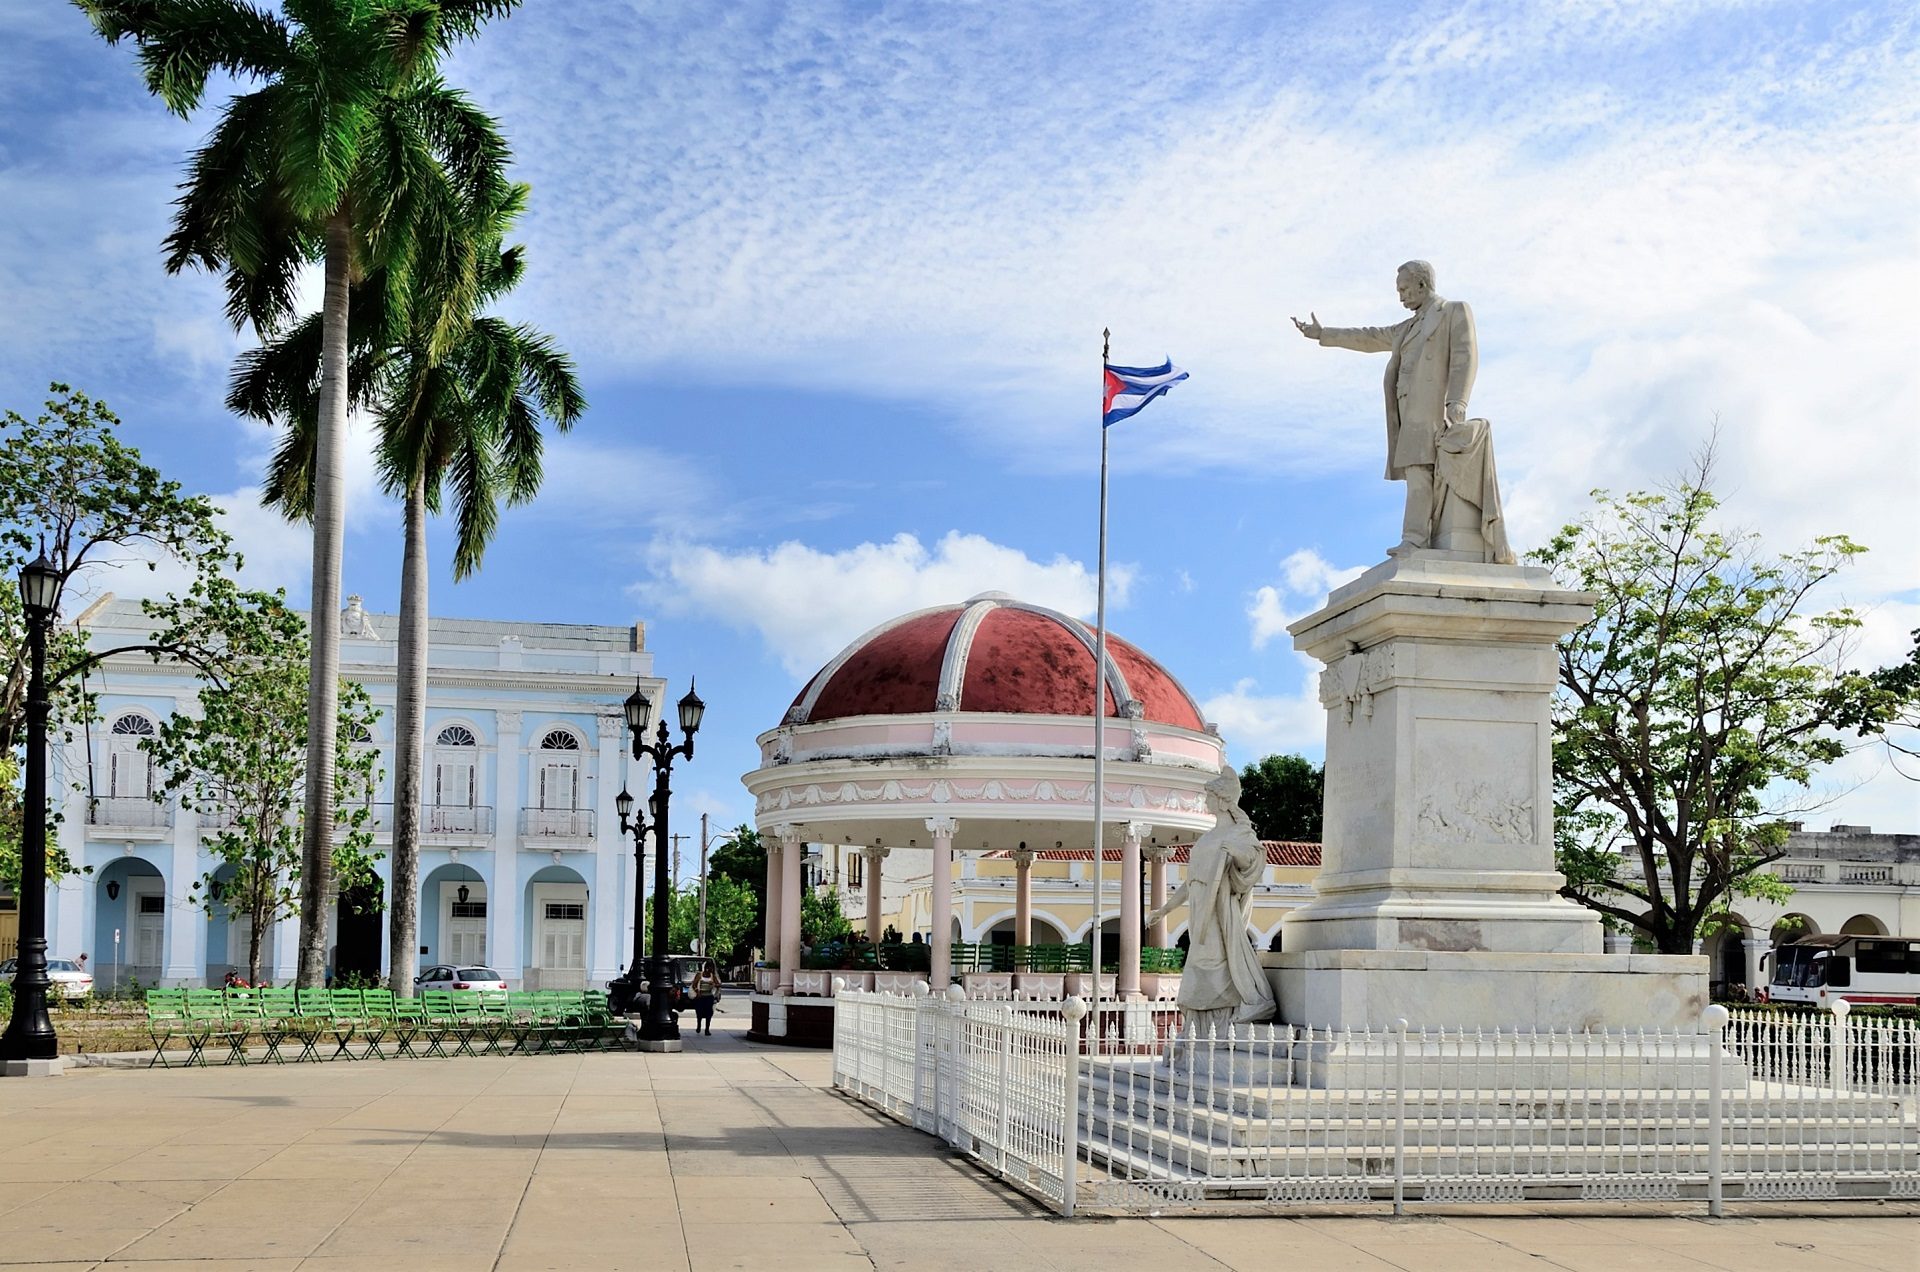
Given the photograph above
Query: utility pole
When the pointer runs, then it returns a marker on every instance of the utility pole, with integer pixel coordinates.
(703, 884)
(676, 860)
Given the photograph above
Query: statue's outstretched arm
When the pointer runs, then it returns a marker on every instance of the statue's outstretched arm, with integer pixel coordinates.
(1174, 901)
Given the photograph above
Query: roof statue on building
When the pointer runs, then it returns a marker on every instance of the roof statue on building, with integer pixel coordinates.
(354, 622)
(1446, 459)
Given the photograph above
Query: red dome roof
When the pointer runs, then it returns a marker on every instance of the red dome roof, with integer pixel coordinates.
(991, 654)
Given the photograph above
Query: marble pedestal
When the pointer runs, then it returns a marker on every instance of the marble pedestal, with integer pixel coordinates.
(1438, 900)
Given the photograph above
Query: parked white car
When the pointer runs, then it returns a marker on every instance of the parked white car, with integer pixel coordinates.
(453, 976)
(70, 980)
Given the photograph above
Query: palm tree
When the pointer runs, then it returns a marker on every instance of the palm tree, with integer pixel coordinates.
(350, 152)
(468, 421)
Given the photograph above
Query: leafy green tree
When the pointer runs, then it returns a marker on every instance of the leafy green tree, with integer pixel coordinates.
(742, 858)
(820, 917)
(1284, 794)
(464, 421)
(351, 152)
(246, 781)
(1902, 680)
(729, 916)
(70, 487)
(1705, 688)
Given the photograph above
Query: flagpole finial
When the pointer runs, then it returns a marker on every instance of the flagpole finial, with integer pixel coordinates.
(1106, 343)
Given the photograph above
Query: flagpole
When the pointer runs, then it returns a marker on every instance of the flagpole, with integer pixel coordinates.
(1099, 707)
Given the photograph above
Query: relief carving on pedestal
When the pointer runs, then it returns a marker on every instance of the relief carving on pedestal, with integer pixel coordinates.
(1352, 681)
(1475, 811)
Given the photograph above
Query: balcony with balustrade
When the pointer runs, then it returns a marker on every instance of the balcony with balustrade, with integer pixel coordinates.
(131, 817)
(457, 825)
(556, 829)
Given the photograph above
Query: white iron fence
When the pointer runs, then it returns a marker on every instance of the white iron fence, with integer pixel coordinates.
(1118, 1109)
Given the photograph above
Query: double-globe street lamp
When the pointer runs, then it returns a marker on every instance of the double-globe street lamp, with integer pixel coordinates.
(30, 1036)
(660, 1023)
(626, 987)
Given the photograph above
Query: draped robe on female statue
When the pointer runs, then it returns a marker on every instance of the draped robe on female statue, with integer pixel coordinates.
(1221, 982)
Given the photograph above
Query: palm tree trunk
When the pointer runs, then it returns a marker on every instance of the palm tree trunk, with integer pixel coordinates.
(409, 741)
(323, 675)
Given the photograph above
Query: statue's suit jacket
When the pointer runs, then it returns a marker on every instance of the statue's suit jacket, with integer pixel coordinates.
(1434, 360)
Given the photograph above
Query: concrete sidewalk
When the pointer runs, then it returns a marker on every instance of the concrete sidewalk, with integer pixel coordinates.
(727, 1155)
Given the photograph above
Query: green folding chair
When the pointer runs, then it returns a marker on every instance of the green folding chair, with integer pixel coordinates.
(207, 1023)
(409, 1020)
(525, 1022)
(277, 1007)
(166, 1017)
(440, 1020)
(316, 1015)
(493, 1019)
(376, 1006)
(345, 1011)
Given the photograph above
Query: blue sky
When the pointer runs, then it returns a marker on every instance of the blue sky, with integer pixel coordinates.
(835, 275)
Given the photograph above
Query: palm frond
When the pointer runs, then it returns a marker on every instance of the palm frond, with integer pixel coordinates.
(183, 41)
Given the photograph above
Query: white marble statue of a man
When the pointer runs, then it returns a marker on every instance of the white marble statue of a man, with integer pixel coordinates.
(1429, 381)
(1222, 982)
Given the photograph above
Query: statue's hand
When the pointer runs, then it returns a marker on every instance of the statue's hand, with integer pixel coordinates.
(1310, 328)
(1456, 413)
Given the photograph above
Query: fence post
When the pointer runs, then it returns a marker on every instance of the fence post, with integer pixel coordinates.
(1715, 1020)
(838, 985)
(1075, 1011)
(1837, 1045)
(1002, 1088)
(953, 1063)
(1400, 1117)
(920, 1075)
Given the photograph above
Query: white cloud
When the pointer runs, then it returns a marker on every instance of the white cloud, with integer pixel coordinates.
(1255, 724)
(1307, 577)
(807, 604)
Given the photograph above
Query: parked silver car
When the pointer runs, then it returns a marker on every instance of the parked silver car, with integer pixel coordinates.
(454, 976)
(70, 980)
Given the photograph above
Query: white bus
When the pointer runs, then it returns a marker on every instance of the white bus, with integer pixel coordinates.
(1816, 970)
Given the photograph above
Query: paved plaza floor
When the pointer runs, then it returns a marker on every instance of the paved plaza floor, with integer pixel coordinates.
(728, 1155)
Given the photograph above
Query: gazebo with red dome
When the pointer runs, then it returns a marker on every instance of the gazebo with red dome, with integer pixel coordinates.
(969, 726)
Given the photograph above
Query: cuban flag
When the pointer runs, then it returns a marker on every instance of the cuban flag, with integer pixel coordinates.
(1130, 388)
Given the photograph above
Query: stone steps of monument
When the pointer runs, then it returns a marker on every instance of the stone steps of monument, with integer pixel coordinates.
(1349, 1119)
(1179, 1160)
(1777, 1136)
(1439, 1148)
(1751, 1100)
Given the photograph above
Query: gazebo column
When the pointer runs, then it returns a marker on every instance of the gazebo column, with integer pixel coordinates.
(1157, 855)
(1023, 896)
(791, 852)
(771, 919)
(873, 857)
(942, 829)
(1128, 985)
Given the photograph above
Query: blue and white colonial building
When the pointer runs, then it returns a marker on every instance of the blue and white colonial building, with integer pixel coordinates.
(523, 866)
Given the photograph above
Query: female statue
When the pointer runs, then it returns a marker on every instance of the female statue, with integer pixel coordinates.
(1222, 982)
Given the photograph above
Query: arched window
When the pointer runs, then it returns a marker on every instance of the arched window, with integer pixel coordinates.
(557, 783)
(456, 772)
(129, 768)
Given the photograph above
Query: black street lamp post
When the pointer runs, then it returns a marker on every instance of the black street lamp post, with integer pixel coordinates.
(30, 1034)
(626, 987)
(660, 1024)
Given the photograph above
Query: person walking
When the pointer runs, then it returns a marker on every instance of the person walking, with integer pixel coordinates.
(706, 992)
